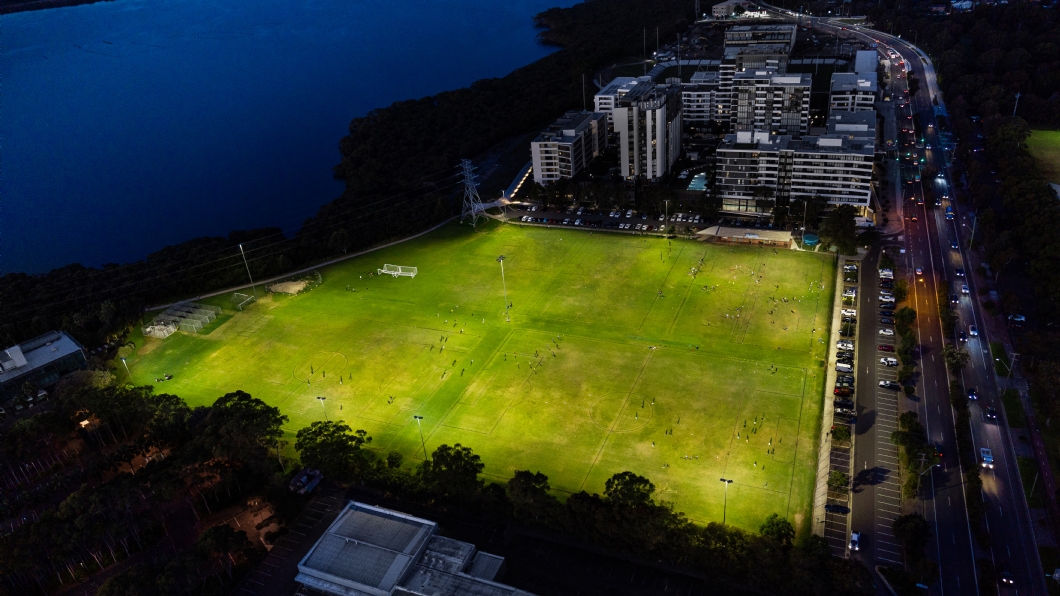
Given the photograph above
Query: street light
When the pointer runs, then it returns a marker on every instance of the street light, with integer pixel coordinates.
(504, 285)
(126, 366)
(725, 503)
(422, 442)
(321, 399)
(251, 277)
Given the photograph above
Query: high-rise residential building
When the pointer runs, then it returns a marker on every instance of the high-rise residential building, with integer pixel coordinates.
(742, 59)
(761, 35)
(852, 92)
(768, 102)
(699, 98)
(568, 145)
(647, 125)
(728, 8)
(757, 171)
(607, 98)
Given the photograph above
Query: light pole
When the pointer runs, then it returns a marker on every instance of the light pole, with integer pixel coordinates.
(422, 442)
(321, 399)
(252, 287)
(126, 366)
(725, 503)
(1007, 367)
(507, 315)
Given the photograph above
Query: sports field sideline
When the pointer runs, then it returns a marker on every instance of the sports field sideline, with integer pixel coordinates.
(681, 361)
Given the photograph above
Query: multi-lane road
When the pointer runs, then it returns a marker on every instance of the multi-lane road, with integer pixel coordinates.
(937, 245)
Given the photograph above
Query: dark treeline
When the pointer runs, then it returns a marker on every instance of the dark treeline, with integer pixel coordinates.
(399, 166)
(111, 471)
(626, 519)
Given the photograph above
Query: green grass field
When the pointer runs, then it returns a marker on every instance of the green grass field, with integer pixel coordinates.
(1045, 146)
(612, 343)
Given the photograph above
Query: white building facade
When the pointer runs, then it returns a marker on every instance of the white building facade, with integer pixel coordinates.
(647, 124)
(852, 92)
(766, 102)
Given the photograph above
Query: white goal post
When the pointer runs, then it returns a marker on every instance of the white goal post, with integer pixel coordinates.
(398, 270)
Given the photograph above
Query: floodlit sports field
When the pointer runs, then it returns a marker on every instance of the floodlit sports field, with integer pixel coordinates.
(1045, 145)
(616, 358)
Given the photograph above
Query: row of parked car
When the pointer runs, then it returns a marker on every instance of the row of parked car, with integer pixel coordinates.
(28, 401)
(596, 223)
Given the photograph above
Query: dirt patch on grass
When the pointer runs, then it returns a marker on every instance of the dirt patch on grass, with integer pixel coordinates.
(289, 287)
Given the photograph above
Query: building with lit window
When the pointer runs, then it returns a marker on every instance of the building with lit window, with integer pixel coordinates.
(699, 98)
(647, 123)
(568, 145)
(761, 35)
(40, 362)
(852, 92)
(756, 171)
(766, 102)
(607, 98)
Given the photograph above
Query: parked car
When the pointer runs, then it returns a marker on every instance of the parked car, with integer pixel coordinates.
(885, 348)
(889, 361)
(843, 403)
(886, 313)
(844, 345)
(886, 321)
(887, 332)
(834, 508)
(855, 541)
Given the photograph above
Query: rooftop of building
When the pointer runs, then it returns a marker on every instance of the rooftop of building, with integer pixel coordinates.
(757, 50)
(865, 62)
(761, 28)
(746, 233)
(622, 85)
(732, 2)
(845, 123)
(825, 144)
(852, 81)
(35, 353)
(774, 79)
(371, 551)
(566, 128)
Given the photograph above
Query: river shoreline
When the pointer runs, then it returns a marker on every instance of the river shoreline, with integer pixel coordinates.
(21, 6)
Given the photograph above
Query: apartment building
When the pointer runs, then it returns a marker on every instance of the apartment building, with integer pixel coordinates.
(761, 35)
(647, 123)
(742, 59)
(699, 98)
(768, 102)
(852, 92)
(757, 171)
(568, 145)
(865, 62)
(607, 98)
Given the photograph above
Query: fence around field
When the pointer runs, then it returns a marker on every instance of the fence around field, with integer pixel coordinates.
(189, 317)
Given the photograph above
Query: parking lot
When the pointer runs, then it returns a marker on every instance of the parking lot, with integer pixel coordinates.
(615, 219)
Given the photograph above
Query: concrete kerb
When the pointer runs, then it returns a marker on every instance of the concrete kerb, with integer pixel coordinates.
(305, 270)
(824, 459)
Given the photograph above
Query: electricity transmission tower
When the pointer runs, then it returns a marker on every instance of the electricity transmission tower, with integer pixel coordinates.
(472, 203)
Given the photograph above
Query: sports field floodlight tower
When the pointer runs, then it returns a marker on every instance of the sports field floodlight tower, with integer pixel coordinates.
(472, 203)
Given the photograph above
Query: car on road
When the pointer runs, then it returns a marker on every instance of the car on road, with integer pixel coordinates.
(887, 332)
(938, 450)
(964, 289)
(885, 348)
(949, 217)
(889, 361)
(973, 331)
(890, 385)
(986, 458)
(919, 271)
(959, 272)
(954, 245)
(973, 394)
(954, 299)
(914, 217)
(855, 541)
(962, 336)
(991, 413)
(1006, 578)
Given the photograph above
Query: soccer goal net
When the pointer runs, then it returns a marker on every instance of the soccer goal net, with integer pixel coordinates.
(241, 300)
(186, 316)
(398, 270)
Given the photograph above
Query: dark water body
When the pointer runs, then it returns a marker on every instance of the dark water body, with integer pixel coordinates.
(130, 125)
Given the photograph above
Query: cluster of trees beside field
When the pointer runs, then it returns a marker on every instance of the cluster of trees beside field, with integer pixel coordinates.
(398, 164)
(111, 472)
(147, 466)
